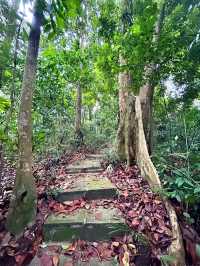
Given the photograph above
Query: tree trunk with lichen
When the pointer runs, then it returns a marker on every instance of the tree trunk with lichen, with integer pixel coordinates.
(146, 99)
(148, 171)
(136, 151)
(78, 109)
(123, 133)
(147, 90)
(22, 210)
(78, 132)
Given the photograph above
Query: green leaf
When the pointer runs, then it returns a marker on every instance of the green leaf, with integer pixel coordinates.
(4, 104)
(198, 250)
(47, 27)
(197, 190)
(60, 22)
(51, 35)
(177, 196)
(167, 259)
(136, 29)
(179, 182)
(7, 74)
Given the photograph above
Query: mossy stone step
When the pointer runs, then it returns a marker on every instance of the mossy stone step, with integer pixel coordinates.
(97, 262)
(95, 156)
(84, 170)
(85, 166)
(89, 186)
(64, 260)
(92, 225)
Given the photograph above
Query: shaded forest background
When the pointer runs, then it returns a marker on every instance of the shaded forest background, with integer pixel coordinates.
(75, 102)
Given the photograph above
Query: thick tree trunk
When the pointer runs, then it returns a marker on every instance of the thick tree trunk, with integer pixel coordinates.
(176, 249)
(136, 141)
(130, 131)
(146, 98)
(22, 210)
(147, 90)
(125, 82)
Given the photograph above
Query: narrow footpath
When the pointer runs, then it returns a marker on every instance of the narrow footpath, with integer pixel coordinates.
(85, 213)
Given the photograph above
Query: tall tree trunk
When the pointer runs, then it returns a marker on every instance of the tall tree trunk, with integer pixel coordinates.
(78, 119)
(146, 99)
(124, 142)
(22, 210)
(147, 90)
(78, 109)
(78, 132)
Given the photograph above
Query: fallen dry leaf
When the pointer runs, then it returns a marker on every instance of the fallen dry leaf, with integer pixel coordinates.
(115, 244)
(55, 260)
(132, 247)
(126, 259)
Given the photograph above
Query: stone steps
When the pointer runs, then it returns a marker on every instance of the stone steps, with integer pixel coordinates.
(78, 170)
(85, 166)
(64, 259)
(95, 156)
(92, 225)
(88, 186)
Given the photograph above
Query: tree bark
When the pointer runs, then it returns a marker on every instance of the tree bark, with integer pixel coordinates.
(146, 98)
(22, 210)
(147, 90)
(148, 171)
(78, 132)
(78, 109)
(78, 119)
(126, 134)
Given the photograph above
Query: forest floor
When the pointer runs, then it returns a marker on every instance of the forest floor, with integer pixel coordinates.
(140, 209)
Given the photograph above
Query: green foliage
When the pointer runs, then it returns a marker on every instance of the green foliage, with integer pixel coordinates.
(167, 260)
(176, 153)
(4, 104)
(80, 45)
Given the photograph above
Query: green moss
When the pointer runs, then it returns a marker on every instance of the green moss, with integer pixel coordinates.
(22, 212)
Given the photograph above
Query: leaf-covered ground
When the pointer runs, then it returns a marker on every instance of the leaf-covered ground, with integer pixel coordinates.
(142, 209)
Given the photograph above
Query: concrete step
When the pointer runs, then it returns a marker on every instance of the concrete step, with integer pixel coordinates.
(95, 156)
(91, 225)
(85, 166)
(51, 250)
(89, 186)
(65, 260)
(78, 170)
(96, 262)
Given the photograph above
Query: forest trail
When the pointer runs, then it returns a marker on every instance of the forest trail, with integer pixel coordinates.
(90, 223)
(97, 217)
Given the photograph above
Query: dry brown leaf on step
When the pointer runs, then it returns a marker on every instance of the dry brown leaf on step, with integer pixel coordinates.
(6, 239)
(55, 260)
(46, 260)
(72, 247)
(87, 206)
(132, 248)
(115, 244)
(126, 259)
(68, 263)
